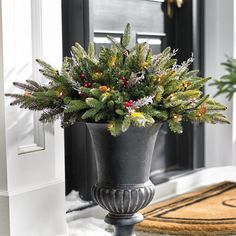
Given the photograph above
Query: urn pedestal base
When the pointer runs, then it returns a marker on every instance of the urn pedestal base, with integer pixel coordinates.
(123, 203)
(124, 226)
(123, 163)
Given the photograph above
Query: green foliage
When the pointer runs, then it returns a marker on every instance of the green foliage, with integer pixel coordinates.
(51, 115)
(91, 52)
(125, 39)
(89, 113)
(76, 105)
(226, 85)
(93, 102)
(175, 126)
(114, 127)
(95, 92)
(123, 87)
(101, 115)
(126, 123)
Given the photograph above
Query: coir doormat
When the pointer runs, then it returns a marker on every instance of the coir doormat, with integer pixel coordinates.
(209, 211)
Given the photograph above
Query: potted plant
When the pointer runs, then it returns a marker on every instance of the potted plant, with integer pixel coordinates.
(124, 95)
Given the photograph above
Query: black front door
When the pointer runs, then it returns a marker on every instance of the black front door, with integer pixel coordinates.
(161, 24)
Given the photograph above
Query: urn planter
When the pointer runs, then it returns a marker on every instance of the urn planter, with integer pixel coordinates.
(123, 164)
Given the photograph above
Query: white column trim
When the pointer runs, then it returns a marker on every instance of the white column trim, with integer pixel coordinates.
(234, 97)
(3, 164)
(219, 42)
(37, 52)
(32, 183)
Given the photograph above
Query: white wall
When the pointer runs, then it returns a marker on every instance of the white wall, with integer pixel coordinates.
(31, 155)
(3, 175)
(219, 42)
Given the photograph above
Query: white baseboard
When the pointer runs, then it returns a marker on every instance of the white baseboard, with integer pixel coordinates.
(4, 216)
(35, 210)
(3, 193)
(30, 188)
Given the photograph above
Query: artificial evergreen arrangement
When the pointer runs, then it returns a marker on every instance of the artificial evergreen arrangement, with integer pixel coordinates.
(227, 83)
(121, 87)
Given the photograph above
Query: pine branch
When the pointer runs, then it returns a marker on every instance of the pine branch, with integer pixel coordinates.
(125, 124)
(125, 39)
(114, 127)
(25, 87)
(175, 126)
(227, 83)
(37, 86)
(89, 113)
(115, 43)
(201, 101)
(51, 115)
(14, 95)
(45, 66)
(91, 51)
(101, 115)
(93, 103)
(75, 105)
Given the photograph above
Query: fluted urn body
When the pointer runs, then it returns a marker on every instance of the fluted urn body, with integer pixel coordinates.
(123, 164)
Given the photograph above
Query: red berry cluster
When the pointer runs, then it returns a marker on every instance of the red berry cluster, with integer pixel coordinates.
(87, 84)
(130, 103)
(82, 76)
(124, 82)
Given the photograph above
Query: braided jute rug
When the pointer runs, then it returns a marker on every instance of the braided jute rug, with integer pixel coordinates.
(208, 211)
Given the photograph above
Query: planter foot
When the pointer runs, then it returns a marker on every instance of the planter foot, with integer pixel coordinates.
(124, 225)
(127, 230)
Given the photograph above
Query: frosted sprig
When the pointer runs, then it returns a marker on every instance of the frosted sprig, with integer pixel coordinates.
(188, 62)
(184, 65)
(76, 86)
(143, 101)
(160, 59)
(130, 109)
(74, 59)
(141, 121)
(173, 53)
(65, 106)
(135, 78)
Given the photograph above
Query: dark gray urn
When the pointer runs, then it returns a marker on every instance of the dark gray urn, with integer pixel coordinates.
(123, 164)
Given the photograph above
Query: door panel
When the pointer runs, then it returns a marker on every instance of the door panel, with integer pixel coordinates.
(146, 19)
(144, 16)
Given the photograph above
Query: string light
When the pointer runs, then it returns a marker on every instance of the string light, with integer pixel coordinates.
(172, 97)
(201, 111)
(98, 73)
(186, 84)
(27, 94)
(161, 78)
(177, 117)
